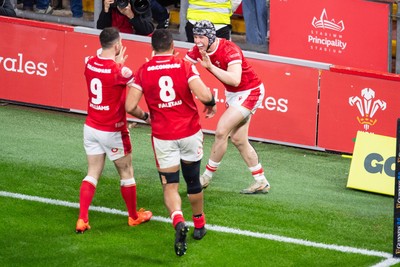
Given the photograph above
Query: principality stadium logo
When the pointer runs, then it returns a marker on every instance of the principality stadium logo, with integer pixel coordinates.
(367, 107)
(325, 23)
(326, 35)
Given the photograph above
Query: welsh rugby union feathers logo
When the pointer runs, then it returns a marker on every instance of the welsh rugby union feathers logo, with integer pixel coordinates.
(367, 105)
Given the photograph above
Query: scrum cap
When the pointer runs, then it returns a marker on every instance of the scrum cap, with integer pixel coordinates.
(205, 28)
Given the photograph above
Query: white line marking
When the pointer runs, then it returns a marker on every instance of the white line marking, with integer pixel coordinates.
(389, 260)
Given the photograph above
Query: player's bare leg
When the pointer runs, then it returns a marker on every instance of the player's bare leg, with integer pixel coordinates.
(240, 139)
(228, 121)
(124, 166)
(172, 199)
(95, 165)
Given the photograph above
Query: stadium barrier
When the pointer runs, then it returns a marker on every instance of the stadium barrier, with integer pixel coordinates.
(308, 104)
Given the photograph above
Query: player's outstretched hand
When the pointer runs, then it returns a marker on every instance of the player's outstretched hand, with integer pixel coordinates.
(210, 111)
(205, 61)
(121, 57)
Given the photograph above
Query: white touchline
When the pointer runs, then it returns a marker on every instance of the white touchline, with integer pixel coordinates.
(389, 260)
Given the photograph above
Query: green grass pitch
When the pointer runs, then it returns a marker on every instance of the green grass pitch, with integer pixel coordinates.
(309, 218)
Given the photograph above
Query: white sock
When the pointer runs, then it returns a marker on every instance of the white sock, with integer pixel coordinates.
(258, 173)
(211, 168)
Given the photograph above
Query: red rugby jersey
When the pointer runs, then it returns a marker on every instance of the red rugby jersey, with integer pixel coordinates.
(164, 81)
(225, 54)
(106, 83)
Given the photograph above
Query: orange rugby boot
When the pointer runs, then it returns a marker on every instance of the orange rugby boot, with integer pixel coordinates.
(143, 216)
(81, 226)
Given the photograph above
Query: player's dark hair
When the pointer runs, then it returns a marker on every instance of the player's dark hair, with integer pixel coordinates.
(108, 36)
(161, 40)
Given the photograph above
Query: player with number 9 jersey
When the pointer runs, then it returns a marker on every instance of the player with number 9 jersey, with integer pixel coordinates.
(164, 82)
(106, 83)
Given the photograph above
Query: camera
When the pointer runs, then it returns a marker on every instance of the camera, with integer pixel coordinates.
(120, 3)
(141, 6)
(138, 6)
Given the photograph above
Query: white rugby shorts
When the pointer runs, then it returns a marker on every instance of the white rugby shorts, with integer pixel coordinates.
(114, 144)
(246, 101)
(168, 153)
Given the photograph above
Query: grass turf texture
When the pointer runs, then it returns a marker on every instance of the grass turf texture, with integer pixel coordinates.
(42, 155)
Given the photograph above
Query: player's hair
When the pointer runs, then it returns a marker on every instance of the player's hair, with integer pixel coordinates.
(108, 37)
(161, 40)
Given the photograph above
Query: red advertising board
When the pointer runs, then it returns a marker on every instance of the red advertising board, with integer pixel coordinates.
(350, 103)
(289, 110)
(350, 33)
(31, 62)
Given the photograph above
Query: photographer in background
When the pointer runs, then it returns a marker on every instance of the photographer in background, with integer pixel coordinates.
(6, 9)
(129, 16)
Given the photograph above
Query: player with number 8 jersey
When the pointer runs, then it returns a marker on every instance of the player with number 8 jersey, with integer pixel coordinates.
(173, 113)
(169, 85)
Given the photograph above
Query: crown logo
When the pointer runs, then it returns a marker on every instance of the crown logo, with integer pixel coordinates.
(367, 107)
(324, 23)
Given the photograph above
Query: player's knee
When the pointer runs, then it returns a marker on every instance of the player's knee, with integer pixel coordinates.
(191, 173)
(169, 177)
(221, 134)
(235, 141)
(238, 140)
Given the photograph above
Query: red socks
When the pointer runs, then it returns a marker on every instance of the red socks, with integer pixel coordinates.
(85, 198)
(199, 221)
(129, 196)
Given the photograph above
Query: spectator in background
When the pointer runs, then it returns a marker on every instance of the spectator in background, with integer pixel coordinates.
(160, 14)
(133, 19)
(77, 8)
(219, 12)
(255, 14)
(28, 4)
(43, 7)
(7, 9)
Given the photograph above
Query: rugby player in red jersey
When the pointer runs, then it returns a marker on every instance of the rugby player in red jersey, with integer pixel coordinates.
(244, 93)
(105, 129)
(169, 85)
